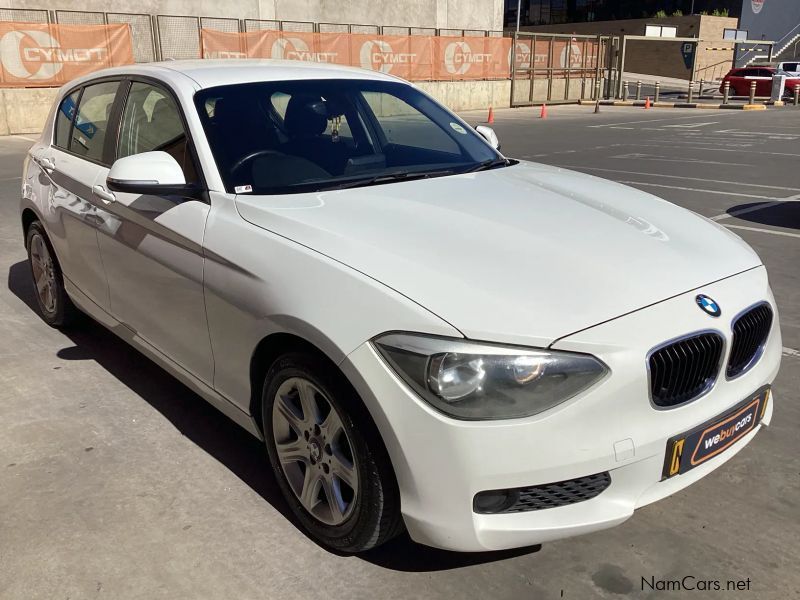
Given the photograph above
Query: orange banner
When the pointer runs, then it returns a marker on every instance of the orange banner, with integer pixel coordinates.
(414, 57)
(409, 57)
(556, 54)
(41, 55)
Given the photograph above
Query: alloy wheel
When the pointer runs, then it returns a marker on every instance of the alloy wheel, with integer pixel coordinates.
(43, 273)
(314, 451)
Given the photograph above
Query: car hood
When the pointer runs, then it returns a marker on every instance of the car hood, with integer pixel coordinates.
(524, 254)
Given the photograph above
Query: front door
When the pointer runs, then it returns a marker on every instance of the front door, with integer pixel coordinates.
(152, 245)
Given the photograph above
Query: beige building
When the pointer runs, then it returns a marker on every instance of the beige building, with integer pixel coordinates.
(663, 57)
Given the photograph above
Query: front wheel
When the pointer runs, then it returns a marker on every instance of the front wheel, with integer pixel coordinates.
(329, 462)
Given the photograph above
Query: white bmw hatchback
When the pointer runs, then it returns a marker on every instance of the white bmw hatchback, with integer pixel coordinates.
(490, 353)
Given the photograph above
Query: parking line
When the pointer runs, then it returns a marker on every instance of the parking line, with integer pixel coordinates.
(791, 352)
(638, 156)
(745, 132)
(703, 116)
(760, 230)
(701, 190)
(761, 206)
(744, 211)
(761, 185)
(746, 151)
(692, 125)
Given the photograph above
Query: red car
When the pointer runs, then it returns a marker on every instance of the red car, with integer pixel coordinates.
(740, 80)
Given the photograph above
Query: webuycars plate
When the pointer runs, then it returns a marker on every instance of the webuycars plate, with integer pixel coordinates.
(692, 448)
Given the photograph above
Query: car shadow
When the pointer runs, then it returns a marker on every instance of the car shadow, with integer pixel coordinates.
(220, 437)
(404, 554)
(784, 214)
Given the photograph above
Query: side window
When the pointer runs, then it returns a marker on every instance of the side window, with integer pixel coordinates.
(280, 101)
(404, 125)
(91, 122)
(66, 110)
(152, 121)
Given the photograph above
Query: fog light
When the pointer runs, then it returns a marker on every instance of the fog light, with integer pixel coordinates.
(494, 501)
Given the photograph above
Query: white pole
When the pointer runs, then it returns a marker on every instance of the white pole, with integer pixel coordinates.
(519, 10)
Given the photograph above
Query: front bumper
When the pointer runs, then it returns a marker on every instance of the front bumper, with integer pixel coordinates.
(441, 463)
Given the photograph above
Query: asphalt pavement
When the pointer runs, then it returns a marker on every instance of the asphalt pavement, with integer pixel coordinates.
(117, 482)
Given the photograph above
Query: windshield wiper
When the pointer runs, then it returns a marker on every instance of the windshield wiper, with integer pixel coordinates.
(389, 178)
(489, 164)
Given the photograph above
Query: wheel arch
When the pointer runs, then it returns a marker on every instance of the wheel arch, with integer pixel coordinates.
(276, 344)
(27, 217)
(265, 353)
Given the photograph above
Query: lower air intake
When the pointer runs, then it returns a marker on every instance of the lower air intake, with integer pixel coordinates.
(540, 497)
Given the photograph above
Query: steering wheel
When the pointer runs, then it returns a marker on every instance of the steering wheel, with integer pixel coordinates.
(248, 158)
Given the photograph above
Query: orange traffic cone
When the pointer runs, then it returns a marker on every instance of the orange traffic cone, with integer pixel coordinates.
(543, 114)
(647, 102)
(490, 120)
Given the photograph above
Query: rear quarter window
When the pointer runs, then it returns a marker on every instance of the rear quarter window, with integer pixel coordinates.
(64, 116)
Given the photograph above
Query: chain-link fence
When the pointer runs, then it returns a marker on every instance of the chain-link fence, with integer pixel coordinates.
(23, 15)
(162, 37)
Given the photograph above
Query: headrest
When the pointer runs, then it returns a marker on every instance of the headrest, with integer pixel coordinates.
(163, 108)
(306, 116)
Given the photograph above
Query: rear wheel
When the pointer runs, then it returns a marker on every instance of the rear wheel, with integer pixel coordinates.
(54, 304)
(329, 462)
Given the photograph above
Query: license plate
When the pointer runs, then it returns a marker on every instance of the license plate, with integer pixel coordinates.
(692, 448)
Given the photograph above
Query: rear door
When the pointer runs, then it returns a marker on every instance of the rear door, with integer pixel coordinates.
(152, 245)
(70, 165)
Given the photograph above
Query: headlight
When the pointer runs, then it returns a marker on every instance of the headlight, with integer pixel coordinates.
(475, 381)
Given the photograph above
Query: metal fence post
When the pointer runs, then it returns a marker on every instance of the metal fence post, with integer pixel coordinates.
(726, 90)
(638, 90)
(658, 92)
(621, 66)
(513, 67)
(690, 95)
(796, 94)
(156, 37)
(752, 92)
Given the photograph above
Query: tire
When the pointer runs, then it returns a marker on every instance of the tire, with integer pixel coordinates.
(329, 461)
(54, 304)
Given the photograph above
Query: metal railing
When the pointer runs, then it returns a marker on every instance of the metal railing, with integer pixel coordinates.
(570, 69)
(161, 37)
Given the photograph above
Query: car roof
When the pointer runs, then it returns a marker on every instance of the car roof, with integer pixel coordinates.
(207, 73)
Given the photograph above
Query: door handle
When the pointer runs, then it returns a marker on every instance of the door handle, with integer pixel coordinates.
(104, 195)
(46, 163)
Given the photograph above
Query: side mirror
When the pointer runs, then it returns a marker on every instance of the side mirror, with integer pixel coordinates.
(489, 135)
(154, 173)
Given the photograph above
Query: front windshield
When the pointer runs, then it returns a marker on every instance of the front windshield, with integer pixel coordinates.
(283, 137)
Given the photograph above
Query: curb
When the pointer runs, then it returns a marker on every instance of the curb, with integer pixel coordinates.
(640, 103)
